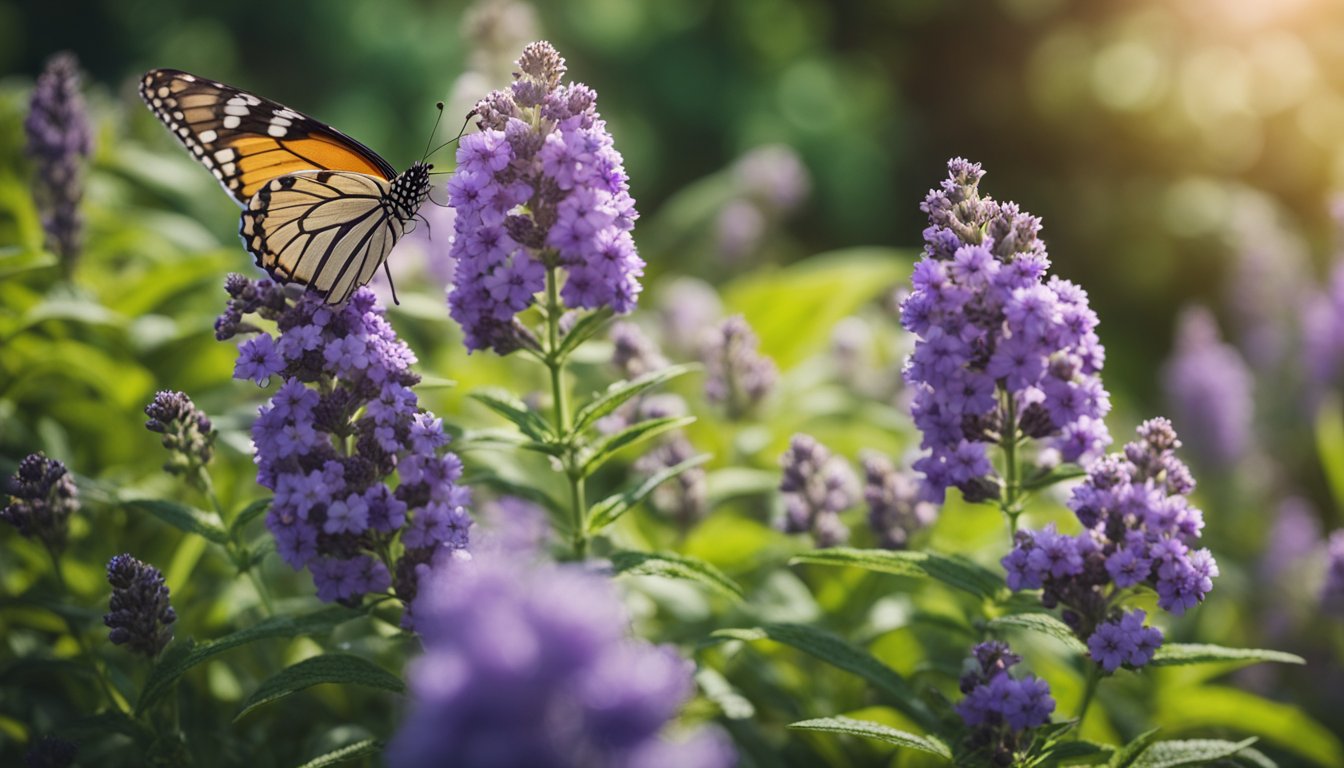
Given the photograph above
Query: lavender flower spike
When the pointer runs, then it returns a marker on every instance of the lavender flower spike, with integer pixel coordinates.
(1209, 389)
(59, 140)
(42, 498)
(1332, 592)
(737, 376)
(539, 187)
(817, 487)
(532, 666)
(140, 614)
(999, 708)
(895, 511)
(187, 432)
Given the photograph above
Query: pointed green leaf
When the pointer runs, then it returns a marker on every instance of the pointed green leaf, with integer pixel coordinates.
(348, 752)
(1172, 754)
(184, 518)
(956, 572)
(674, 566)
(339, 668)
(249, 513)
(510, 407)
(622, 391)
(607, 511)
(1078, 752)
(838, 653)
(183, 655)
(1125, 756)
(848, 726)
(1043, 623)
(583, 330)
(434, 382)
(1171, 654)
(1203, 707)
(1057, 475)
(632, 435)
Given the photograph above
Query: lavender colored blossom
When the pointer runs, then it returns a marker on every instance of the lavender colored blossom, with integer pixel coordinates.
(684, 498)
(187, 432)
(1293, 539)
(1208, 387)
(539, 187)
(737, 375)
(633, 352)
(687, 308)
(140, 614)
(895, 511)
(738, 230)
(774, 175)
(1323, 337)
(1332, 592)
(999, 708)
(1000, 351)
(817, 487)
(42, 498)
(1124, 641)
(51, 752)
(534, 666)
(60, 139)
(341, 423)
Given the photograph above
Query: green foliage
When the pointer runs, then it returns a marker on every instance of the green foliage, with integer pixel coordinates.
(335, 668)
(850, 727)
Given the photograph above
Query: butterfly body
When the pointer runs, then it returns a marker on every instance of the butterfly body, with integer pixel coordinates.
(319, 208)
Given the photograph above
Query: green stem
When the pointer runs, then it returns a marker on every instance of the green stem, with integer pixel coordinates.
(564, 427)
(1093, 677)
(1011, 482)
(207, 486)
(83, 642)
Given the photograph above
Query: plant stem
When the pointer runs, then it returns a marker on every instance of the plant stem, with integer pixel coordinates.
(1093, 677)
(112, 698)
(208, 488)
(1011, 482)
(564, 427)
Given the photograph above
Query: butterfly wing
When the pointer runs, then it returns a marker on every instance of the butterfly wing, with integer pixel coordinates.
(248, 141)
(329, 230)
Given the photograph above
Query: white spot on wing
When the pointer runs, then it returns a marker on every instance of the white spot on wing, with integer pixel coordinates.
(208, 136)
(232, 121)
(224, 155)
(277, 131)
(235, 109)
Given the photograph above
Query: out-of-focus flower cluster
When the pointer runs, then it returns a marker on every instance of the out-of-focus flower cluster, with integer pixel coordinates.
(737, 375)
(42, 498)
(817, 487)
(187, 432)
(342, 422)
(1000, 348)
(895, 510)
(1139, 529)
(539, 186)
(533, 666)
(1208, 387)
(999, 708)
(1332, 592)
(1322, 340)
(59, 140)
(140, 615)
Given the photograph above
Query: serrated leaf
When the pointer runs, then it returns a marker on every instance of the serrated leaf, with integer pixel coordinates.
(607, 511)
(182, 656)
(338, 668)
(1172, 754)
(1254, 758)
(674, 566)
(953, 571)
(840, 654)
(249, 513)
(1172, 654)
(504, 403)
(632, 435)
(184, 518)
(1125, 756)
(622, 391)
(848, 726)
(348, 752)
(584, 329)
(1043, 623)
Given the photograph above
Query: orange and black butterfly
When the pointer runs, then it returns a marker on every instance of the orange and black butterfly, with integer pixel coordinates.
(319, 208)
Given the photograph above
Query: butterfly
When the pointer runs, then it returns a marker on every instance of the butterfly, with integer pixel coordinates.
(319, 208)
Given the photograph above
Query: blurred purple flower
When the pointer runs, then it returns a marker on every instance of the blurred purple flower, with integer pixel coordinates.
(140, 614)
(737, 375)
(1208, 388)
(684, 498)
(738, 230)
(775, 175)
(539, 186)
(59, 140)
(1293, 537)
(51, 752)
(1323, 337)
(996, 341)
(1332, 593)
(42, 498)
(895, 511)
(687, 308)
(998, 707)
(534, 667)
(817, 487)
(187, 433)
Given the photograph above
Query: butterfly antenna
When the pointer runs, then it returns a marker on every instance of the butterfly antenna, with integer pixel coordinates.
(439, 106)
(388, 271)
(461, 131)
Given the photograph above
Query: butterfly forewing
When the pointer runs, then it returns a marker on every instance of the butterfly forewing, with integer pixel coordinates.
(246, 140)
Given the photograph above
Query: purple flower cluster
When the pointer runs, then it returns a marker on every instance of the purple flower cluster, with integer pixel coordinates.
(895, 511)
(343, 420)
(140, 614)
(1208, 388)
(817, 487)
(42, 498)
(533, 666)
(539, 186)
(1323, 337)
(187, 432)
(1000, 350)
(1332, 592)
(999, 707)
(737, 375)
(59, 140)
(1139, 530)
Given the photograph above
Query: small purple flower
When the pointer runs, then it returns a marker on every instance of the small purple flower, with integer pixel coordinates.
(258, 360)
(737, 375)
(1124, 641)
(1332, 593)
(140, 614)
(685, 498)
(999, 708)
(42, 498)
(817, 487)
(895, 511)
(60, 139)
(187, 433)
(1208, 387)
(533, 666)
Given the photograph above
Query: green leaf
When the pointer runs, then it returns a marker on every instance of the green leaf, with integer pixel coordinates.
(527, 420)
(512, 487)
(1057, 475)
(184, 518)
(182, 656)
(1330, 444)
(622, 391)
(249, 513)
(1127, 754)
(339, 668)
(583, 330)
(1172, 754)
(1254, 758)
(1078, 752)
(348, 752)
(848, 726)
(632, 435)
(840, 654)
(434, 382)
(607, 511)
(1200, 708)
(1043, 623)
(733, 482)
(674, 566)
(16, 261)
(953, 571)
(1171, 654)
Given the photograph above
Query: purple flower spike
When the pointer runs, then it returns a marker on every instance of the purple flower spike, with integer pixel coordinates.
(999, 708)
(60, 139)
(42, 498)
(140, 614)
(817, 487)
(1209, 389)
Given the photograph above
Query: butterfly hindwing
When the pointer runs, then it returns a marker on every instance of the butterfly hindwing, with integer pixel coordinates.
(246, 140)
